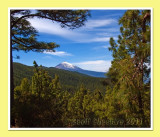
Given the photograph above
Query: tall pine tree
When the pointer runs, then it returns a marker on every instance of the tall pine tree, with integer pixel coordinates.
(130, 68)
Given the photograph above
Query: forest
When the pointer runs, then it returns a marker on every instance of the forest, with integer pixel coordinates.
(70, 80)
(44, 97)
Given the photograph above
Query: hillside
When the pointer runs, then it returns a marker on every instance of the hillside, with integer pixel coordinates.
(69, 80)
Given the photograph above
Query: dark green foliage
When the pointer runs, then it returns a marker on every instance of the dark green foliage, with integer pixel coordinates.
(129, 96)
(45, 104)
(70, 81)
(38, 105)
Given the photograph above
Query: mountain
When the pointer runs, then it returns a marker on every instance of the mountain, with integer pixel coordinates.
(67, 66)
(69, 80)
(70, 67)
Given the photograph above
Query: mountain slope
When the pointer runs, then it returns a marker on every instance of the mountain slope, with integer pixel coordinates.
(70, 67)
(69, 80)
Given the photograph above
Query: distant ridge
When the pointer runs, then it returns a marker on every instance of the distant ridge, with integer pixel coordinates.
(70, 67)
(69, 80)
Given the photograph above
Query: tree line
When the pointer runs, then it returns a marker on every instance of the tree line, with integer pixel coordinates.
(70, 80)
(43, 103)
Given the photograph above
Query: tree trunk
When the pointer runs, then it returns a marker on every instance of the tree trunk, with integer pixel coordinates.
(140, 100)
(12, 117)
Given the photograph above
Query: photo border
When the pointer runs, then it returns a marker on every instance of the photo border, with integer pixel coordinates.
(82, 129)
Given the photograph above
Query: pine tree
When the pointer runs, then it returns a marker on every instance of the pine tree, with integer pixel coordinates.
(23, 36)
(75, 107)
(131, 65)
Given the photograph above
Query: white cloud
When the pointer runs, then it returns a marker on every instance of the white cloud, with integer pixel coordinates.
(104, 34)
(101, 39)
(47, 26)
(99, 23)
(107, 32)
(96, 65)
(113, 30)
(80, 36)
(92, 39)
(57, 53)
(101, 47)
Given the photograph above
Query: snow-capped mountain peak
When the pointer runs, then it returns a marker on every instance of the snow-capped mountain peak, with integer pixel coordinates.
(67, 65)
(70, 67)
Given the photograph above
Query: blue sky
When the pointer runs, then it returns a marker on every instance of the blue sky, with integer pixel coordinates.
(85, 47)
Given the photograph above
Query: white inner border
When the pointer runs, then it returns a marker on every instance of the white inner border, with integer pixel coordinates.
(101, 8)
